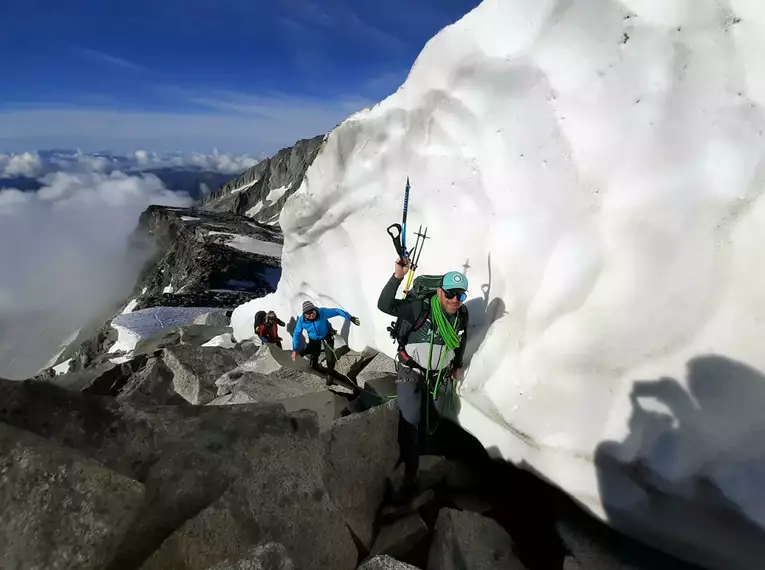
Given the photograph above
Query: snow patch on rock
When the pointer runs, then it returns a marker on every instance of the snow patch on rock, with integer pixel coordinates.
(277, 193)
(252, 212)
(224, 340)
(251, 245)
(135, 326)
(62, 368)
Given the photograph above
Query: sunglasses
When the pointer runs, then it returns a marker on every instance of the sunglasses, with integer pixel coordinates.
(452, 293)
(310, 314)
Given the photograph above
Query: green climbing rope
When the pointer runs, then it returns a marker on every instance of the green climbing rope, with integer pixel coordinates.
(445, 328)
(447, 332)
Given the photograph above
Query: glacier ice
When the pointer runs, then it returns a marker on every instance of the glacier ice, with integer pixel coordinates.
(598, 168)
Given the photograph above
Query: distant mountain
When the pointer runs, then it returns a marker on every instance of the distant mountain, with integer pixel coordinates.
(261, 191)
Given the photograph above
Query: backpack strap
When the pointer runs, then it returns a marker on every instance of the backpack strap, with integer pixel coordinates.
(406, 328)
(424, 316)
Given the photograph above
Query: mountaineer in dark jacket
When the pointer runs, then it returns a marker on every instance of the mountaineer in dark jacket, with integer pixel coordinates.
(268, 331)
(430, 357)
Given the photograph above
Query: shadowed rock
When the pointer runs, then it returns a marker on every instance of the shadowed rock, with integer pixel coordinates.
(463, 539)
(362, 450)
(59, 509)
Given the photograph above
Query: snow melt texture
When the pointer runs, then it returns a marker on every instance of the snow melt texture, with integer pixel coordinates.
(135, 326)
(598, 166)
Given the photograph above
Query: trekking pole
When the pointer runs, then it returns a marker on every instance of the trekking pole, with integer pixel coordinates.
(417, 252)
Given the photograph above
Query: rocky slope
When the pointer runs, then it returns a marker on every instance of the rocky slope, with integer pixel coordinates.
(260, 192)
(204, 264)
(144, 470)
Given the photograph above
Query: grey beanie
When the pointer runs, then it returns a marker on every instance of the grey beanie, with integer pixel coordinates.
(308, 306)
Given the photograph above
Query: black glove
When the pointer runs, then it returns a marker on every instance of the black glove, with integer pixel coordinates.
(355, 321)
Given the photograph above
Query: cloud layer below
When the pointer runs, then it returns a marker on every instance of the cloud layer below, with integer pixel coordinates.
(63, 253)
(39, 164)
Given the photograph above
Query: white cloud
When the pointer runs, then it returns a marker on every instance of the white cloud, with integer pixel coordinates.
(32, 165)
(215, 162)
(64, 258)
(109, 59)
(25, 164)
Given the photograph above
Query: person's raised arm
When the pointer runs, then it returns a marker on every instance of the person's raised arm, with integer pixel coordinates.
(387, 302)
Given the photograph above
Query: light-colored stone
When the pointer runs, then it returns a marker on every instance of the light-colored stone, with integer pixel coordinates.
(384, 562)
(195, 370)
(269, 556)
(380, 366)
(214, 319)
(293, 395)
(350, 363)
(267, 359)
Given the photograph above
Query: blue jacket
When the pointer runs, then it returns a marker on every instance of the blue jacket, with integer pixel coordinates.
(318, 328)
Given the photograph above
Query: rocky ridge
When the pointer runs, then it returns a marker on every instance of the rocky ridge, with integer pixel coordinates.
(296, 475)
(260, 192)
(210, 256)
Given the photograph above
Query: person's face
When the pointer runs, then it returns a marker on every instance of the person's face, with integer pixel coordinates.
(271, 318)
(451, 299)
(310, 315)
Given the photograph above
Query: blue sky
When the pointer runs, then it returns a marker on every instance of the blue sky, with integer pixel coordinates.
(190, 75)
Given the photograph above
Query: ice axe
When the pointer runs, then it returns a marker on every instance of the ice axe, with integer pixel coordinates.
(394, 231)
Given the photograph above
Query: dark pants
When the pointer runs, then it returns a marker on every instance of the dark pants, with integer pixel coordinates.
(417, 416)
(314, 351)
(420, 415)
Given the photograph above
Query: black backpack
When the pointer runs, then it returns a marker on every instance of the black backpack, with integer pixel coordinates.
(260, 318)
(423, 288)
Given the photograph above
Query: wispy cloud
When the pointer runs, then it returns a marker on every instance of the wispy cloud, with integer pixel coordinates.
(278, 106)
(341, 18)
(378, 37)
(310, 11)
(230, 121)
(108, 59)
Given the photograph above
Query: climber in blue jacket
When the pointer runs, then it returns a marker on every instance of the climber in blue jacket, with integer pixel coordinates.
(315, 321)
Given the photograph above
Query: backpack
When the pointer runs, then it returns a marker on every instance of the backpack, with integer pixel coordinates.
(423, 288)
(260, 318)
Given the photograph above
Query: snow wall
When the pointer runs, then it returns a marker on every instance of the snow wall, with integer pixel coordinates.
(599, 167)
